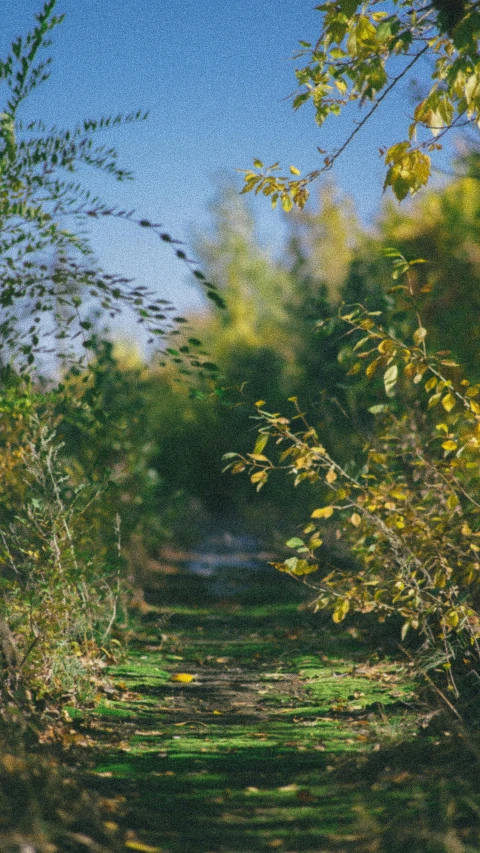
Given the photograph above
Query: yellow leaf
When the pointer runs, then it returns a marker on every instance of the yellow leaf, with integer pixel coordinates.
(183, 677)
(142, 848)
(341, 85)
(452, 501)
(324, 512)
(355, 519)
(372, 367)
(331, 476)
(386, 346)
(451, 619)
(260, 402)
(294, 170)
(448, 402)
(341, 610)
(449, 445)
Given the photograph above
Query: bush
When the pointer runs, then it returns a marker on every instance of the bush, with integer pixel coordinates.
(410, 513)
(59, 592)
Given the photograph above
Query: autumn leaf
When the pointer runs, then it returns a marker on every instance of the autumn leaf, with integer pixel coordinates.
(324, 512)
(132, 844)
(182, 677)
(448, 402)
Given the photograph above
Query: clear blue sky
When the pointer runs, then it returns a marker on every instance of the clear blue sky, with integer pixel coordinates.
(214, 77)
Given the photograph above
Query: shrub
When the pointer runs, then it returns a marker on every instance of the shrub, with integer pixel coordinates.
(410, 514)
(58, 598)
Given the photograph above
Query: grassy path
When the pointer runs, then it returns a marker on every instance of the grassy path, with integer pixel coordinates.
(287, 738)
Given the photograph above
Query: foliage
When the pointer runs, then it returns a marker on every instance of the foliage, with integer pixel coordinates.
(443, 227)
(364, 51)
(410, 514)
(51, 283)
(60, 566)
(59, 591)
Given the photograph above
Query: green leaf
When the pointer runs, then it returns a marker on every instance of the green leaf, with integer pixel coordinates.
(348, 7)
(295, 542)
(261, 443)
(215, 297)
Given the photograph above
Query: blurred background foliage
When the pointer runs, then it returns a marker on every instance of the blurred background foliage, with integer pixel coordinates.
(160, 439)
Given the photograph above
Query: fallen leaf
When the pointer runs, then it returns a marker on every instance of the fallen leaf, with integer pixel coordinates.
(142, 848)
(149, 733)
(304, 796)
(182, 677)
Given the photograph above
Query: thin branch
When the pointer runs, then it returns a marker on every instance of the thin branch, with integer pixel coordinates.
(377, 103)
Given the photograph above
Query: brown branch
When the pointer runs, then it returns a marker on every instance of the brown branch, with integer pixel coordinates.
(375, 107)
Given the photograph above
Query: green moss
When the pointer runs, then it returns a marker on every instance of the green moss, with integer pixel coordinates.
(280, 742)
(107, 708)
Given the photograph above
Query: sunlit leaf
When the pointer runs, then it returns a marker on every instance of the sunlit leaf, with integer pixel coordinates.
(182, 677)
(341, 610)
(324, 512)
(448, 402)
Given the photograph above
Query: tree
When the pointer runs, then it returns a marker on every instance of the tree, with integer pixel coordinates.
(409, 509)
(51, 283)
(364, 51)
(60, 587)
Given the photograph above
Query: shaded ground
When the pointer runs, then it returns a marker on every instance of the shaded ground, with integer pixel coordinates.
(288, 734)
(288, 738)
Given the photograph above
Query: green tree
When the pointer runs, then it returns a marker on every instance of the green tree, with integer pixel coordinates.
(51, 282)
(443, 227)
(409, 509)
(60, 576)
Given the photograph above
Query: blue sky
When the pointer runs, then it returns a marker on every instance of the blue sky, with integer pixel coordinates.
(214, 77)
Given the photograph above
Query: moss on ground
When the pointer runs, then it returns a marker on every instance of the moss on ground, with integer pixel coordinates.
(292, 735)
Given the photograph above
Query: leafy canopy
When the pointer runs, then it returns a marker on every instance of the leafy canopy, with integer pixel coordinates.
(363, 53)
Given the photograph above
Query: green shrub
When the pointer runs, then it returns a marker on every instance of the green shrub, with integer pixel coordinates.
(410, 513)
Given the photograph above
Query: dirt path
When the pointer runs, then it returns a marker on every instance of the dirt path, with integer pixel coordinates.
(285, 739)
